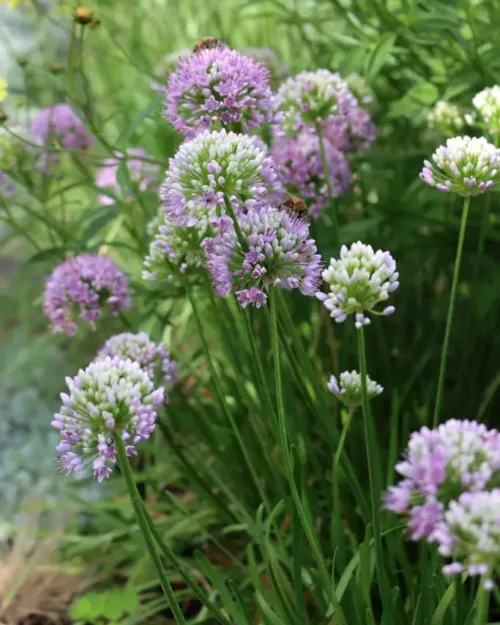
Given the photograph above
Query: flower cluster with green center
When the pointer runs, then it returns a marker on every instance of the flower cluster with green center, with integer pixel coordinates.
(487, 104)
(348, 388)
(445, 117)
(111, 397)
(465, 165)
(359, 280)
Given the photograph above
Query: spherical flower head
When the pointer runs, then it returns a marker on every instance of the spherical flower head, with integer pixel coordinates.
(111, 397)
(141, 172)
(213, 168)
(446, 118)
(302, 172)
(359, 280)
(440, 465)
(82, 288)
(487, 104)
(218, 88)
(275, 251)
(470, 534)
(174, 250)
(152, 358)
(354, 131)
(60, 123)
(348, 388)
(467, 166)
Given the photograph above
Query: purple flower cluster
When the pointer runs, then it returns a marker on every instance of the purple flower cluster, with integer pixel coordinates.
(7, 188)
(152, 358)
(439, 466)
(80, 288)
(275, 251)
(301, 169)
(111, 397)
(218, 88)
(60, 123)
(324, 98)
(141, 172)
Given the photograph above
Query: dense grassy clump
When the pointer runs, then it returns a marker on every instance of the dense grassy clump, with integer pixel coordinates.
(261, 421)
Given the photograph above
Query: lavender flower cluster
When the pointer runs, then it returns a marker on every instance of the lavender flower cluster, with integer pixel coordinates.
(448, 491)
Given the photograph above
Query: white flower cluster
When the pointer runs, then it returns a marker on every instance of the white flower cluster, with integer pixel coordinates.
(359, 280)
(110, 396)
(470, 534)
(487, 104)
(445, 117)
(465, 165)
(348, 388)
(211, 169)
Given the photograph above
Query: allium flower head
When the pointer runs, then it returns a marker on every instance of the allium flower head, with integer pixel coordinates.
(141, 172)
(467, 166)
(81, 288)
(110, 397)
(276, 252)
(152, 358)
(211, 168)
(445, 117)
(301, 169)
(60, 123)
(440, 465)
(218, 88)
(470, 534)
(487, 104)
(359, 280)
(348, 388)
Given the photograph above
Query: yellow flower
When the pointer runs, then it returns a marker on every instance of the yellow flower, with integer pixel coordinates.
(3, 89)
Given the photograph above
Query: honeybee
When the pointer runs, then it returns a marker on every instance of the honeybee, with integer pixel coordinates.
(207, 43)
(296, 207)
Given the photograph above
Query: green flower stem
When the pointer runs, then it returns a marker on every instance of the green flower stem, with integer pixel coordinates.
(222, 401)
(236, 224)
(482, 604)
(144, 526)
(451, 309)
(373, 476)
(304, 515)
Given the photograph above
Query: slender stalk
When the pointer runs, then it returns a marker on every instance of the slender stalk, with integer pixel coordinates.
(482, 604)
(236, 224)
(451, 309)
(144, 526)
(222, 401)
(373, 475)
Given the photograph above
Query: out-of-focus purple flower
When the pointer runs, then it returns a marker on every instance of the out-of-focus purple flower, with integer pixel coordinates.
(111, 397)
(276, 251)
(348, 388)
(142, 172)
(439, 465)
(359, 280)
(301, 169)
(218, 88)
(81, 288)
(7, 188)
(152, 358)
(59, 123)
(467, 166)
(213, 169)
(469, 532)
(323, 98)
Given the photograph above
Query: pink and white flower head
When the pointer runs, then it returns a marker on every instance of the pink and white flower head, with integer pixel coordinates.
(213, 169)
(465, 165)
(487, 104)
(348, 388)
(154, 359)
(218, 88)
(359, 280)
(141, 172)
(469, 532)
(302, 172)
(276, 251)
(440, 465)
(111, 397)
(83, 288)
(60, 124)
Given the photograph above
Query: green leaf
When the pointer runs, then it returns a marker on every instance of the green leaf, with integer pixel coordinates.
(438, 616)
(268, 613)
(49, 254)
(96, 225)
(379, 56)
